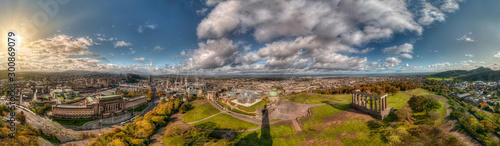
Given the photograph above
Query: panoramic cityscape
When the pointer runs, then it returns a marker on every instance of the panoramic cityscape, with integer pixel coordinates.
(250, 72)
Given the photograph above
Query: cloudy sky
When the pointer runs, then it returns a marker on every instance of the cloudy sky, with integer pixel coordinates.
(253, 36)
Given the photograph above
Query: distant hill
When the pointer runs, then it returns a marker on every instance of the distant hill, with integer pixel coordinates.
(483, 76)
(458, 73)
(479, 74)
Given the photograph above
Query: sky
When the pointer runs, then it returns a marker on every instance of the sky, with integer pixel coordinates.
(253, 36)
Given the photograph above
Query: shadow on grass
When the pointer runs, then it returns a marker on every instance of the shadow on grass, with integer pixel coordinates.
(265, 134)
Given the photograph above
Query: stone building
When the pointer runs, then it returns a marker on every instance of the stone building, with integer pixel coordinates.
(371, 104)
(98, 107)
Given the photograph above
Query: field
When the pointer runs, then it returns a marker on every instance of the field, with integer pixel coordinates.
(242, 112)
(314, 98)
(200, 112)
(331, 124)
(440, 79)
(79, 122)
(225, 122)
(398, 100)
(419, 91)
(273, 135)
(321, 112)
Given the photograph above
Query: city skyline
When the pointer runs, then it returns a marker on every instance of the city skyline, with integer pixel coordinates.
(255, 37)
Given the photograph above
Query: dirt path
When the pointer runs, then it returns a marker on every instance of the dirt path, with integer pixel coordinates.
(296, 126)
(461, 135)
(450, 125)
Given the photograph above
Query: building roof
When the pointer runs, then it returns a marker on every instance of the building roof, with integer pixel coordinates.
(110, 96)
(273, 94)
(90, 99)
(463, 95)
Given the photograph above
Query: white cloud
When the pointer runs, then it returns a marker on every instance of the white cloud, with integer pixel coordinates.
(497, 55)
(406, 56)
(201, 11)
(158, 49)
(450, 5)
(122, 44)
(444, 64)
(391, 62)
(141, 60)
(132, 51)
(429, 14)
(212, 54)
(466, 38)
(469, 55)
(143, 27)
(364, 51)
(405, 48)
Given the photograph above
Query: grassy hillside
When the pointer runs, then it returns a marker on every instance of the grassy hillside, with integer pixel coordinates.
(484, 76)
(461, 73)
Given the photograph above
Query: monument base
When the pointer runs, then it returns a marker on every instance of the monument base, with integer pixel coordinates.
(378, 114)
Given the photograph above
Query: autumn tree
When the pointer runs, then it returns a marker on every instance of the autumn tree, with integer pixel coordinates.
(405, 115)
(150, 94)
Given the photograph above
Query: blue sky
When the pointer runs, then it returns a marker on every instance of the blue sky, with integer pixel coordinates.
(256, 37)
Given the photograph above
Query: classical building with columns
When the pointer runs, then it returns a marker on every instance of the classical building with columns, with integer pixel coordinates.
(97, 107)
(371, 104)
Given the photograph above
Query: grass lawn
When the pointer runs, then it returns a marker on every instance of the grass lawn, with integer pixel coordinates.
(138, 109)
(225, 122)
(78, 122)
(200, 112)
(442, 110)
(398, 100)
(254, 107)
(174, 140)
(273, 135)
(440, 79)
(318, 98)
(196, 103)
(242, 112)
(350, 132)
(50, 139)
(223, 104)
(321, 112)
(420, 91)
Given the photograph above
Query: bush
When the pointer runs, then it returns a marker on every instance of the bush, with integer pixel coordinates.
(421, 103)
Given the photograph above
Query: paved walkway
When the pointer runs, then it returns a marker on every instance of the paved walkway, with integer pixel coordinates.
(204, 118)
(296, 125)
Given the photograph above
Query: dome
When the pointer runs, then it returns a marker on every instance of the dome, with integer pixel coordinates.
(273, 94)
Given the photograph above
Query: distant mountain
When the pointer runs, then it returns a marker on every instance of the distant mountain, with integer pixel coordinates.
(492, 76)
(479, 74)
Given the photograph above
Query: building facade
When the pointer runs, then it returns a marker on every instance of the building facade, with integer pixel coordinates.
(98, 107)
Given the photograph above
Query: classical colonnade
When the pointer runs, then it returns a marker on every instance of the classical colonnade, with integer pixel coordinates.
(372, 102)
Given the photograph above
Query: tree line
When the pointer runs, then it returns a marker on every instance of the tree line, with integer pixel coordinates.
(378, 88)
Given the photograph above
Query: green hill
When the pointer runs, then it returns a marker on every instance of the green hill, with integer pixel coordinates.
(483, 76)
(461, 73)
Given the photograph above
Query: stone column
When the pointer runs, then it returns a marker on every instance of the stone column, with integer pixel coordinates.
(375, 104)
(380, 104)
(385, 102)
(357, 99)
(371, 103)
(352, 98)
